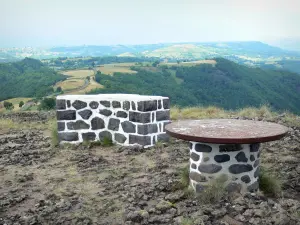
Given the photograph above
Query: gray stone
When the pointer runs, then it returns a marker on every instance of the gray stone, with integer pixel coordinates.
(66, 115)
(61, 126)
(120, 138)
(197, 177)
(165, 124)
(230, 147)
(105, 103)
(60, 104)
(126, 105)
(69, 103)
(194, 166)
(253, 187)
(195, 156)
(105, 134)
(256, 163)
(162, 115)
(68, 136)
(146, 106)
(222, 158)
(191, 146)
(166, 103)
(77, 104)
(78, 125)
(89, 136)
(199, 188)
(159, 104)
(153, 140)
(233, 187)
(256, 173)
(252, 158)
(128, 127)
(163, 137)
(241, 157)
(240, 168)
(254, 147)
(85, 114)
(113, 124)
(141, 140)
(97, 123)
(205, 159)
(105, 112)
(133, 106)
(202, 148)
(139, 117)
(94, 105)
(116, 104)
(147, 129)
(209, 168)
(152, 117)
(246, 179)
(122, 114)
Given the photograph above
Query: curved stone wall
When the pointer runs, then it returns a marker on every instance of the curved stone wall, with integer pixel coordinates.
(238, 162)
(125, 119)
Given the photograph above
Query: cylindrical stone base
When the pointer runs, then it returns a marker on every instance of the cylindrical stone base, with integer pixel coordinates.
(238, 163)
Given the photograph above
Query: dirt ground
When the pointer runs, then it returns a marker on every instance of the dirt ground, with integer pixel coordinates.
(41, 184)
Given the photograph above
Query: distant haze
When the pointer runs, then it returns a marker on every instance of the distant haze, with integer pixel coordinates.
(97, 22)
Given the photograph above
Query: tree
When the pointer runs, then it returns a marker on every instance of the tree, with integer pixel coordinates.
(58, 89)
(8, 106)
(47, 104)
(21, 103)
(155, 63)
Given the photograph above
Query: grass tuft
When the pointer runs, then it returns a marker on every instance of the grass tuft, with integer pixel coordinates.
(269, 184)
(106, 142)
(54, 133)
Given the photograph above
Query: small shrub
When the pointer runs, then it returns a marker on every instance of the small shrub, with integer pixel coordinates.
(47, 104)
(269, 184)
(8, 106)
(106, 142)
(54, 133)
(185, 177)
(21, 103)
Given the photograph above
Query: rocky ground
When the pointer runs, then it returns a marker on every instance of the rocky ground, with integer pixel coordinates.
(41, 184)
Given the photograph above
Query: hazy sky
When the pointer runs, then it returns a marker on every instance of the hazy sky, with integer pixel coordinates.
(99, 22)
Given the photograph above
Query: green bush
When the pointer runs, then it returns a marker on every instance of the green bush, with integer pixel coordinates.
(21, 103)
(269, 184)
(8, 106)
(47, 104)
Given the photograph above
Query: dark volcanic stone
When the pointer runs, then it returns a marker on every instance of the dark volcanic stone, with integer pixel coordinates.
(113, 124)
(69, 103)
(233, 187)
(163, 137)
(139, 117)
(61, 126)
(146, 106)
(68, 136)
(240, 168)
(202, 148)
(254, 147)
(105, 112)
(85, 114)
(241, 157)
(209, 168)
(105, 103)
(120, 138)
(197, 177)
(116, 104)
(253, 187)
(191, 145)
(252, 158)
(141, 140)
(66, 115)
(195, 156)
(133, 106)
(105, 134)
(79, 104)
(94, 105)
(256, 173)
(122, 114)
(152, 116)
(162, 115)
(126, 105)
(166, 103)
(194, 166)
(128, 127)
(97, 123)
(256, 163)
(159, 104)
(78, 125)
(60, 104)
(165, 124)
(199, 188)
(205, 159)
(222, 158)
(147, 128)
(246, 179)
(230, 147)
(153, 140)
(89, 136)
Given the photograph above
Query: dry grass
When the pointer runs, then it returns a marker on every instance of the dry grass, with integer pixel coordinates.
(79, 73)
(70, 84)
(15, 102)
(263, 112)
(269, 183)
(7, 124)
(198, 113)
(110, 69)
(92, 85)
(192, 63)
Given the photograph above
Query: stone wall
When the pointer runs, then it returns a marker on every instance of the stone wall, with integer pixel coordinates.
(125, 119)
(238, 162)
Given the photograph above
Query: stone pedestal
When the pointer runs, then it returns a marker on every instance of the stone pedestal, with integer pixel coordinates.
(238, 163)
(124, 118)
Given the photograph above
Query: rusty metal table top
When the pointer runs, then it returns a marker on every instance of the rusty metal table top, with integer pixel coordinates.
(226, 131)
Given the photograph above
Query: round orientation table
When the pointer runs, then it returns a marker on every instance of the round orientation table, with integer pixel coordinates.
(227, 148)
